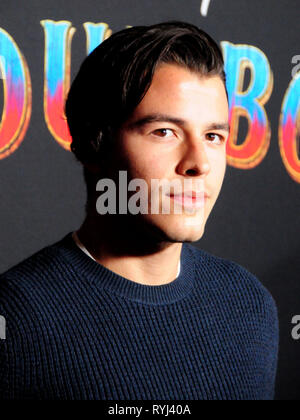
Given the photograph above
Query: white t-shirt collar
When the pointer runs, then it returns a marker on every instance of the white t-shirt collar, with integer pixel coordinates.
(83, 248)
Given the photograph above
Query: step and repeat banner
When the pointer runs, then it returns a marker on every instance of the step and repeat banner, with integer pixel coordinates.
(256, 220)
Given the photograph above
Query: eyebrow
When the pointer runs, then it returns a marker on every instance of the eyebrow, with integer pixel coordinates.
(148, 119)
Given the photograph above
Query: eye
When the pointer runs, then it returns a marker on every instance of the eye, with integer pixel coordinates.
(215, 138)
(163, 132)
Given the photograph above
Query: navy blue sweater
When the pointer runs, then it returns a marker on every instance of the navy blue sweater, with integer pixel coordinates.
(77, 330)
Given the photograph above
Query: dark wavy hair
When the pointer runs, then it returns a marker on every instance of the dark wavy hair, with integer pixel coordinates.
(115, 77)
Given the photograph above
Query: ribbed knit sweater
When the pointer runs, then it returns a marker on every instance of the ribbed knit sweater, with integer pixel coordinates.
(77, 330)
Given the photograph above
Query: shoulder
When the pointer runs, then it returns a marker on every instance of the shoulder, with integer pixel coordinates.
(236, 282)
(30, 277)
(25, 301)
(32, 266)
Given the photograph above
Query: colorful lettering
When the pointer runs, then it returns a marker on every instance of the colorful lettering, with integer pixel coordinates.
(289, 129)
(249, 103)
(57, 69)
(17, 95)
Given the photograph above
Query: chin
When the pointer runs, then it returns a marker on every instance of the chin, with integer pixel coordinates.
(172, 229)
(185, 236)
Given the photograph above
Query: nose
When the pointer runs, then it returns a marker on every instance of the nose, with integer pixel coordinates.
(194, 161)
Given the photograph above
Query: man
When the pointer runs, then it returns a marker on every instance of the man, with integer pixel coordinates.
(126, 307)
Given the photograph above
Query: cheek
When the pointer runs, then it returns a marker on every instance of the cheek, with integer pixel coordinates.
(151, 167)
(217, 165)
(146, 163)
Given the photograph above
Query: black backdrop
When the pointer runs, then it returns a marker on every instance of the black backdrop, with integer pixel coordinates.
(256, 220)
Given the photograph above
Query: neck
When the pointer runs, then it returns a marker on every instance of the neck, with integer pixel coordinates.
(125, 245)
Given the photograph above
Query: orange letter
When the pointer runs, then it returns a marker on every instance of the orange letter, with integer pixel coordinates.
(249, 103)
(17, 95)
(289, 126)
(58, 36)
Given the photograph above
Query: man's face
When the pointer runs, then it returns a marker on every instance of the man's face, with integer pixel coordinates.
(178, 132)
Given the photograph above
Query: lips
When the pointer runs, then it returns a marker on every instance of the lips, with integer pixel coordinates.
(190, 194)
(195, 199)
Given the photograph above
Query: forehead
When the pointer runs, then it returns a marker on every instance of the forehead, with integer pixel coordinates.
(185, 93)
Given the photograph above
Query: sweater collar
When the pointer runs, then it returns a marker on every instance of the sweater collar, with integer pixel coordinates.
(112, 282)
